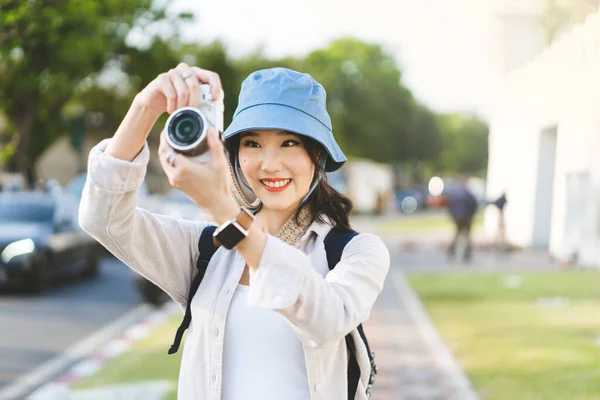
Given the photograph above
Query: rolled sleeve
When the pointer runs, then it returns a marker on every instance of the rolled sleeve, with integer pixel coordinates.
(321, 309)
(161, 248)
(277, 282)
(115, 175)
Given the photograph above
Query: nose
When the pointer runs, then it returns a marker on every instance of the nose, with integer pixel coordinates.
(271, 161)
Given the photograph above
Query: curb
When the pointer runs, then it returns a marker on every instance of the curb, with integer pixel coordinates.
(59, 387)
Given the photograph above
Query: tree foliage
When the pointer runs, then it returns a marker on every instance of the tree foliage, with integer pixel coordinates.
(48, 51)
(371, 110)
(464, 144)
(70, 66)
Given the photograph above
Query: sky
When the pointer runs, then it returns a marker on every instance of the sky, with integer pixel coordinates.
(442, 46)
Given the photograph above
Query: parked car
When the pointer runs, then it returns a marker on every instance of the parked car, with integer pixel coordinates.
(74, 190)
(151, 293)
(39, 242)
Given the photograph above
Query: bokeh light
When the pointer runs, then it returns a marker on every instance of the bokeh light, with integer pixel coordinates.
(436, 186)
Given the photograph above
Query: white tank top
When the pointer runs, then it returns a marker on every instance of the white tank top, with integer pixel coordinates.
(263, 358)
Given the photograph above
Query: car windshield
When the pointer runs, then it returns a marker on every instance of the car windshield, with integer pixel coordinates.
(24, 209)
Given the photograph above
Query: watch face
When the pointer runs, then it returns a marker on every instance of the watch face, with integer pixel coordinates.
(230, 236)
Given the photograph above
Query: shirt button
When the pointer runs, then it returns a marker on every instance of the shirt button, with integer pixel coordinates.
(214, 378)
(228, 291)
(317, 388)
(217, 333)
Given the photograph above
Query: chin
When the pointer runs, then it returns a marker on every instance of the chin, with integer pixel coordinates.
(277, 205)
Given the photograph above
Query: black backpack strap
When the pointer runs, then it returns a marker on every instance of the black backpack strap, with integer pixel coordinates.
(335, 241)
(206, 249)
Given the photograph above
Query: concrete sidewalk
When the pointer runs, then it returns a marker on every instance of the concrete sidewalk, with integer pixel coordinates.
(413, 362)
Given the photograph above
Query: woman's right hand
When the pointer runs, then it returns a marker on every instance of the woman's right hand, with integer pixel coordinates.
(171, 90)
(179, 87)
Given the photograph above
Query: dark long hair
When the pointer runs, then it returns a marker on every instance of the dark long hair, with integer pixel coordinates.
(324, 200)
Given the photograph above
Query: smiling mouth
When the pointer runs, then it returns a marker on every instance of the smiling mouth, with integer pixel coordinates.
(276, 186)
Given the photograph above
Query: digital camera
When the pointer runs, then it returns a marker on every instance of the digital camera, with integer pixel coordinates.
(187, 128)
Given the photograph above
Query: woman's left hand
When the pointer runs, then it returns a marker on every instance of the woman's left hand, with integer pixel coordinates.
(207, 184)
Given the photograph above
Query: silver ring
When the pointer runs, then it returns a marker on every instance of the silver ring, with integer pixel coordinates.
(186, 75)
(170, 158)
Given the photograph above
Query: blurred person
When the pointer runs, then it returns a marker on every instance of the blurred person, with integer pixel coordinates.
(500, 203)
(268, 321)
(462, 205)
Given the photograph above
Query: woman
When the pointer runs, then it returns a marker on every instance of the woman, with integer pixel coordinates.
(269, 319)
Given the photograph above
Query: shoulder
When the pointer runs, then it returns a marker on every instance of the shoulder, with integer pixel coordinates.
(367, 256)
(370, 245)
(365, 247)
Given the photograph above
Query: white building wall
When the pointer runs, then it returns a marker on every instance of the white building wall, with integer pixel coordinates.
(551, 103)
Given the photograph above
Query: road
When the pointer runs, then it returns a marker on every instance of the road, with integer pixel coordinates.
(38, 328)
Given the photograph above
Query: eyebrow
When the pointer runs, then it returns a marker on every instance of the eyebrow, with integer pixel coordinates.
(255, 134)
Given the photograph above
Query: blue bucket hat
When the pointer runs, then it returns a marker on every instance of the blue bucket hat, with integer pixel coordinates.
(283, 99)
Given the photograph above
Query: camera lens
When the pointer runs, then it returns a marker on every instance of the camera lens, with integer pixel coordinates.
(185, 128)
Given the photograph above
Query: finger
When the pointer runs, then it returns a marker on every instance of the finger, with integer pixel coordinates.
(163, 147)
(217, 151)
(168, 168)
(163, 150)
(186, 169)
(184, 165)
(166, 87)
(212, 78)
(192, 83)
(175, 174)
(180, 87)
(169, 160)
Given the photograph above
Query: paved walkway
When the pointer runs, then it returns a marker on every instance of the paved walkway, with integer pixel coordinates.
(413, 362)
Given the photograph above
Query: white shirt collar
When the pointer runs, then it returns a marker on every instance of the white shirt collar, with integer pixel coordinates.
(321, 229)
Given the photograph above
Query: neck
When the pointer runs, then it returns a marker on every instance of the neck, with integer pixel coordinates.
(273, 220)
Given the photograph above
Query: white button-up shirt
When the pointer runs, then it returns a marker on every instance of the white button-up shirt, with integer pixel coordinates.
(321, 306)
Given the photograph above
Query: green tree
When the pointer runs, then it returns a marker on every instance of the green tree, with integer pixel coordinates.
(108, 97)
(425, 139)
(559, 15)
(373, 114)
(213, 56)
(49, 51)
(464, 144)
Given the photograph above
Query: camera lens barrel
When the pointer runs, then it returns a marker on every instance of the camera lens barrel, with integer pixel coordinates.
(186, 131)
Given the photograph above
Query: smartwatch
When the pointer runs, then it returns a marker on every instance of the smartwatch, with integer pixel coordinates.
(232, 232)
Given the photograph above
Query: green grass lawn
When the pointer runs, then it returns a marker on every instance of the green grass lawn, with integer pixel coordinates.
(514, 343)
(146, 361)
(421, 222)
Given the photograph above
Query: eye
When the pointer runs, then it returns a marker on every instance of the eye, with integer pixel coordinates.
(250, 143)
(290, 143)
